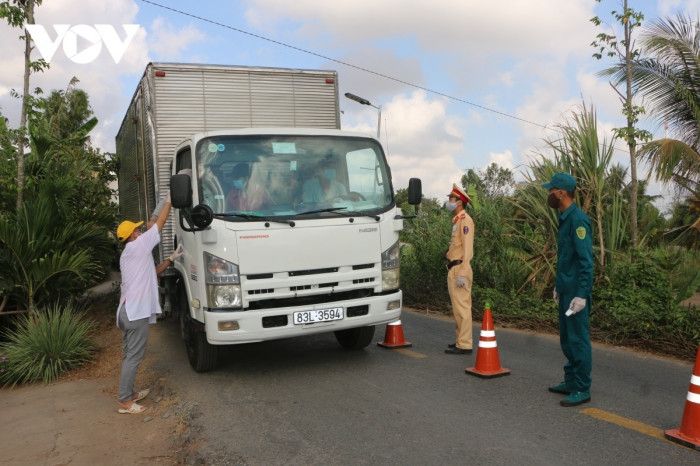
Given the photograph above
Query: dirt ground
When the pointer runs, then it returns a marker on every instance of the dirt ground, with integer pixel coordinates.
(75, 420)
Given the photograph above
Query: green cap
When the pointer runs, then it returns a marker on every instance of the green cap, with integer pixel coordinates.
(561, 180)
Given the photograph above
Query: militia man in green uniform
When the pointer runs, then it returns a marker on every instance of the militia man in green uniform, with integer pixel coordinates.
(459, 270)
(574, 281)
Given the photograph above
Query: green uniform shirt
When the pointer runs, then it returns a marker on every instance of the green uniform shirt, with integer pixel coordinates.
(574, 254)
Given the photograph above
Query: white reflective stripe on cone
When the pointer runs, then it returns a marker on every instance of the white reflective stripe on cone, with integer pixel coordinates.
(488, 333)
(487, 344)
(695, 379)
(692, 397)
(398, 322)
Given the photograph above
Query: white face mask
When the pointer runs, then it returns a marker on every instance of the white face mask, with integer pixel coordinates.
(451, 206)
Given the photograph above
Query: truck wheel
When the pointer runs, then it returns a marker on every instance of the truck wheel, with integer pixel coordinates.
(202, 356)
(355, 338)
(183, 311)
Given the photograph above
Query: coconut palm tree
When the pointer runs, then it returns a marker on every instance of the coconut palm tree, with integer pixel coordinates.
(669, 77)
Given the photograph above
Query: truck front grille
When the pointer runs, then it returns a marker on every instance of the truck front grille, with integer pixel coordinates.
(310, 300)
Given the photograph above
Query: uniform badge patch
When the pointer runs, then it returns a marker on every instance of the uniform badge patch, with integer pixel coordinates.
(465, 230)
(581, 233)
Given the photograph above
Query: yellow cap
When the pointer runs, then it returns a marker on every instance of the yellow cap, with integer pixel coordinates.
(126, 228)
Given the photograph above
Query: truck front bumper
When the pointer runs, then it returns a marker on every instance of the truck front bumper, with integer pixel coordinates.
(251, 326)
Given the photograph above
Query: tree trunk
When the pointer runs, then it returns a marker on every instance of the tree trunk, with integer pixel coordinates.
(601, 239)
(631, 143)
(22, 135)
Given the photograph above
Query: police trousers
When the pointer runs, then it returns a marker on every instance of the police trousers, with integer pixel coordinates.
(575, 341)
(461, 299)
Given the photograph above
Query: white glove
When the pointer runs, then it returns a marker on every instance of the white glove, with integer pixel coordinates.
(555, 295)
(577, 305)
(461, 282)
(176, 253)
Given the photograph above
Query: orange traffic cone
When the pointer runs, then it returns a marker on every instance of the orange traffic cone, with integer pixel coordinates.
(393, 338)
(488, 364)
(688, 433)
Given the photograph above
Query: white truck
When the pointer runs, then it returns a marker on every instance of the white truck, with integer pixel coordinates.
(288, 224)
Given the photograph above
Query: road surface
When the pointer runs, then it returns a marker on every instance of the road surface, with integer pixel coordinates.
(307, 401)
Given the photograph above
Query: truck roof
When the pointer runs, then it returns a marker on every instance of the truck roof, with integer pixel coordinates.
(288, 131)
(209, 66)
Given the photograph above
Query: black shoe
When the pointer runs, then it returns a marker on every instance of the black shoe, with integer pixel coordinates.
(456, 350)
(451, 345)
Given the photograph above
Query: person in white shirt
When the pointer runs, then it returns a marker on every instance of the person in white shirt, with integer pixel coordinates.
(138, 303)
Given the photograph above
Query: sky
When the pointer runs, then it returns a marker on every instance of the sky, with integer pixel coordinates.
(526, 58)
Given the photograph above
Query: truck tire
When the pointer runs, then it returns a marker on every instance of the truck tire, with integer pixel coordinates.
(183, 311)
(355, 338)
(203, 357)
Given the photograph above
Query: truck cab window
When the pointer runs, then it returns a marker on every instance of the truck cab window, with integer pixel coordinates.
(287, 176)
(183, 160)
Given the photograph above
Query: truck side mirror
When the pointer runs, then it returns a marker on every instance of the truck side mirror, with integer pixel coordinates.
(415, 191)
(181, 191)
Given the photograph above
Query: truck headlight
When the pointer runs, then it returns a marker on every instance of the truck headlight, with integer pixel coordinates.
(223, 282)
(224, 296)
(391, 267)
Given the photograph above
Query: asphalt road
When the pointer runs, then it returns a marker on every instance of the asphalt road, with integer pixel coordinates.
(307, 401)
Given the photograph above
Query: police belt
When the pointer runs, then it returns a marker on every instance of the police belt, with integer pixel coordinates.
(451, 264)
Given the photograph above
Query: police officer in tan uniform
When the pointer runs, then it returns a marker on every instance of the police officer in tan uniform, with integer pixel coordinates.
(459, 275)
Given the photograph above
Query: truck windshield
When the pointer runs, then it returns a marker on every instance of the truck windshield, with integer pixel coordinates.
(289, 176)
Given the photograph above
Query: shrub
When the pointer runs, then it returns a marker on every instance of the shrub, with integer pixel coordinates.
(45, 344)
(638, 305)
(423, 274)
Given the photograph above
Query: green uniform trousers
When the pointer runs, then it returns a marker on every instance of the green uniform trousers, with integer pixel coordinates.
(576, 344)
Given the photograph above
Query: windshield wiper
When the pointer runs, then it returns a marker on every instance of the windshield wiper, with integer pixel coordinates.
(319, 211)
(347, 213)
(253, 217)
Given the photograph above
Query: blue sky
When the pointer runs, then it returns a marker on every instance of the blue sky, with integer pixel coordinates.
(529, 58)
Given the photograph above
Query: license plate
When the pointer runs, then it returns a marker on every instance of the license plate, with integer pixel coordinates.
(319, 315)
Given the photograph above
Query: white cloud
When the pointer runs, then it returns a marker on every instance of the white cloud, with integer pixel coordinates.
(169, 42)
(506, 78)
(512, 27)
(423, 141)
(670, 7)
(101, 79)
(504, 159)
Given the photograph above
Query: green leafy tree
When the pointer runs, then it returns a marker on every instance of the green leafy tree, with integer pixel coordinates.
(65, 172)
(580, 152)
(18, 13)
(38, 249)
(623, 50)
(669, 77)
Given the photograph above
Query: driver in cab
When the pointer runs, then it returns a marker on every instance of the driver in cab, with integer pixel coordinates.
(323, 186)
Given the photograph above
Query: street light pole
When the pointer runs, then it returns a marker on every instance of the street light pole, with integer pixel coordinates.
(363, 101)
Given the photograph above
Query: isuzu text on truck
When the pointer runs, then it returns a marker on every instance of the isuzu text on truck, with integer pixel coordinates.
(288, 224)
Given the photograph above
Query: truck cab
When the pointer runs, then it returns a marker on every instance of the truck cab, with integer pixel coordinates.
(286, 232)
